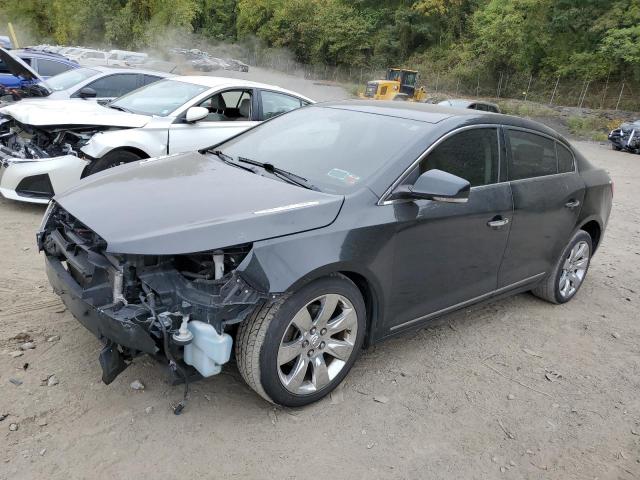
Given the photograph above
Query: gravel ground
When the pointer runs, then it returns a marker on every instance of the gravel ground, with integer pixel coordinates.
(466, 398)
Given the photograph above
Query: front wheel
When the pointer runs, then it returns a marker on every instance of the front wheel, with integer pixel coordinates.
(110, 160)
(297, 349)
(569, 272)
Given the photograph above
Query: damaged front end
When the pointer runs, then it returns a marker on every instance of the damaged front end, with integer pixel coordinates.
(25, 142)
(181, 307)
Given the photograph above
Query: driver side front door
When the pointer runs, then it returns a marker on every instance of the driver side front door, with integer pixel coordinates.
(447, 254)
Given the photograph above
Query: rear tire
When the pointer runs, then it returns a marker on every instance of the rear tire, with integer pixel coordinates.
(112, 159)
(297, 349)
(569, 272)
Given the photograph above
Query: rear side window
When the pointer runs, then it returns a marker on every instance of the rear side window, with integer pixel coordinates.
(565, 159)
(471, 154)
(531, 155)
(274, 104)
(49, 68)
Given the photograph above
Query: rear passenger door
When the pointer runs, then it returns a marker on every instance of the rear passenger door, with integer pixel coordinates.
(547, 196)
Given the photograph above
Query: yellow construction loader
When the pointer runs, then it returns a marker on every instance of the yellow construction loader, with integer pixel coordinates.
(401, 84)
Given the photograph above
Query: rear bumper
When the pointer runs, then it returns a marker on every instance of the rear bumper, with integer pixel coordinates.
(105, 323)
(60, 173)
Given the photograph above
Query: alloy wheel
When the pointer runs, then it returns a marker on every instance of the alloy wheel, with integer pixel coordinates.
(317, 344)
(574, 269)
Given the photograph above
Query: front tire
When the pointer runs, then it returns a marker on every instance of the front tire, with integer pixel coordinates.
(110, 160)
(569, 272)
(296, 350)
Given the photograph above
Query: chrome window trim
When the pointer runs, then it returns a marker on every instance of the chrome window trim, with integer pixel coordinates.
(470, 301)
(403, 175)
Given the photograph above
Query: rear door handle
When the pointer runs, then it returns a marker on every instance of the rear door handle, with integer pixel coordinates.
(572, 204)
(497, 222)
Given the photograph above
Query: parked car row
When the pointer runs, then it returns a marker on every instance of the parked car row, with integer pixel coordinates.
(205, 62)
(198, 216)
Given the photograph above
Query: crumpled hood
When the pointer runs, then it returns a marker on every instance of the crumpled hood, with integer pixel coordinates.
(45, 112)
(190, 203)
(17, 66)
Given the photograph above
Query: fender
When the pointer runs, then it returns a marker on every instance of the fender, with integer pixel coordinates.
(151, 141)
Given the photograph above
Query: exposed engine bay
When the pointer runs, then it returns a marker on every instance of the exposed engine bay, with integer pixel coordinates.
(18, 140)
(160, 305)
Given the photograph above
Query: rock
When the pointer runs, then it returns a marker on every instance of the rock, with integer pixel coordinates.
(25, 249)
(15, 381)
(381, 399)
(53, 338)
(634, 432)
(615, 334)
(60, 309)
(52, 380)
(16, 354)
(13, 427)
(137, 385)
(149, 409)
(3, 416)
(511, 396)
(371, 445)
(503, 469)
(512, 463)
(494, 459)
(43, 451)
(28, 346)
(42, 422)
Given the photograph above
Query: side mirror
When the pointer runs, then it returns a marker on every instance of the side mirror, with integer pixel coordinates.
(436, 185)
(195, 114)
(88, 92)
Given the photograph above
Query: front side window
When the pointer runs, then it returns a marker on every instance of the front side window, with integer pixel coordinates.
(159, 98)
(471, 154)
(531, 155)
(114, 85)
(228, 106)
(49, 68)
(274, 104)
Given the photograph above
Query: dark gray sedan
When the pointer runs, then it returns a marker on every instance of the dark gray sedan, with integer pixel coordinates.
(319, 232)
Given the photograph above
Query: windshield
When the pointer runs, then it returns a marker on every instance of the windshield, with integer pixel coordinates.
(159, 98)
(336, 150)
(69, 78)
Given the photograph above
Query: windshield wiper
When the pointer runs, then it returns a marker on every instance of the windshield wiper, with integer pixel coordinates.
(122, 109)
(229, 160)
(290, 177)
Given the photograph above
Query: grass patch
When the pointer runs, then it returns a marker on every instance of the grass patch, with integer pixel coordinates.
(592, 127)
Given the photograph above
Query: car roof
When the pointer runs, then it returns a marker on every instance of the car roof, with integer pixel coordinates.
(103, 69)
(435, 114)
(215, 82)
(26, 52)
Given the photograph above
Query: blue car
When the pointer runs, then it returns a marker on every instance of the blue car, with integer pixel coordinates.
(45, 64)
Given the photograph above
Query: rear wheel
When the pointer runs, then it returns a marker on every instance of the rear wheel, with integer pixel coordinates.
(296, 350)
(569, 272)
(112, 159)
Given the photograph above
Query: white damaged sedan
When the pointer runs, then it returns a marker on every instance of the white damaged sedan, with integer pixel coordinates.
(47, 146)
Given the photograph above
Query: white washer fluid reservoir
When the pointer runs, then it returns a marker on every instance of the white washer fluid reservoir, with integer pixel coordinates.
(208, 349)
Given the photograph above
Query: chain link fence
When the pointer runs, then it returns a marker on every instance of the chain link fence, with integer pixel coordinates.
(618, 94)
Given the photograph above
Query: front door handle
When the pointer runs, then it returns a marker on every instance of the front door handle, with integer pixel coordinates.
(497, 222)
(572, 204)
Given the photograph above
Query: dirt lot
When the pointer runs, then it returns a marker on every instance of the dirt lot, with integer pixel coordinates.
(466, 398)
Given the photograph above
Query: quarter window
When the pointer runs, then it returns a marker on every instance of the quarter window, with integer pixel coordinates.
(471, 154)
(531, 155)
(274, 104)
(565, 159)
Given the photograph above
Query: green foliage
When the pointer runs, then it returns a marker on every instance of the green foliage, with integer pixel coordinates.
(586, 39)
